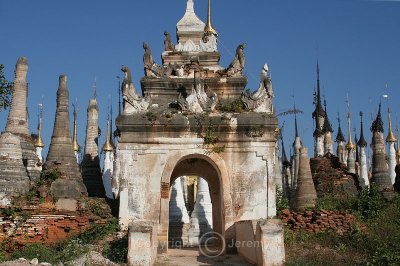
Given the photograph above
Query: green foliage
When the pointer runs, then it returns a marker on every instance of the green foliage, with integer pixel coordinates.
(5, 89)
(281, 201)
(46, 178)
(10, 211)
(210, 137)
(337, 204)
(208, 131)
(371, 202)
(375, 244)
(236, 106)
(151, 117)
(65, 251)
(41, 252)
(98, 231)
(117, 251)
(49, 176)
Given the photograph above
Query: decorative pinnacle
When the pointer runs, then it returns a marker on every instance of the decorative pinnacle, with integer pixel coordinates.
(349, 145)
(95, 88)
(77, 148)
(208, 30)
(108, 146)
(39, 141)
(391, 137)
(361, 142)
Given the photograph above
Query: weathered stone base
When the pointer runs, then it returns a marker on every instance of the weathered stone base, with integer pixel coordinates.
(261, 242)
(142, 246)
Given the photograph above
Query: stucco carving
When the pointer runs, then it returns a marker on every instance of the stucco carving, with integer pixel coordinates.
(209, 43)
(235, 69)
(133, 102)
(261, 100)
(168, 45)
(199, 100)
(151, 69)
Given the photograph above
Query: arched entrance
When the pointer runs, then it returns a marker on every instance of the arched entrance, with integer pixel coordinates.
(212, 169)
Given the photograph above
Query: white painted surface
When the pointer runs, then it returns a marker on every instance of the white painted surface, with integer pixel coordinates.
(392, 162)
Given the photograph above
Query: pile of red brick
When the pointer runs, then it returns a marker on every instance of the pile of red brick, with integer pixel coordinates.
(331, 178)
(42, 228)
(317, 221)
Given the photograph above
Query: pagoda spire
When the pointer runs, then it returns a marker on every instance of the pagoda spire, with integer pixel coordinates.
(296, 130)
(362, 142)
(39, 140)
(319, 110)
(377, 125)
(39, 144)
(349, 145)
(327, 125)
(339, 136)
(391, 139)
(208, 30)
(77, 147)
(363, 177)
(108, 145)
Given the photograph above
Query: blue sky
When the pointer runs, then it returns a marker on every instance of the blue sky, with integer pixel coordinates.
(357, 43)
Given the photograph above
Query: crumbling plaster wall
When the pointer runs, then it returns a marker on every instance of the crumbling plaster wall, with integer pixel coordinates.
(246, 177)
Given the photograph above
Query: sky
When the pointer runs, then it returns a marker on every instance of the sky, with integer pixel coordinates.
(357, 44)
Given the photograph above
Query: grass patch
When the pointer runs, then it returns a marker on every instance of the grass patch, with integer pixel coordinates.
(117, 250)
(377, 245)
(67, 250)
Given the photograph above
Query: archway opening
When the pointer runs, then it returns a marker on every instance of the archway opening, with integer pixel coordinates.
(196, 204)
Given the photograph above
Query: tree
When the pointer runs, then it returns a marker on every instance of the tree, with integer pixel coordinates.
(5, 89)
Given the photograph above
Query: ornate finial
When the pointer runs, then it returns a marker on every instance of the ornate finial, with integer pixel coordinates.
(39, 141)
(95, 88)
(361, 142)
(108, 145)
(377, 124)
(295, 121)
(349, 145)
(77, 148)
(339, 136)
(208, 30)
(390, 137)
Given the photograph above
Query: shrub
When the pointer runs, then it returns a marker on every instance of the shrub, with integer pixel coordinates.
(117, 251)
(41, 252)
(371, 202)
(281, 201)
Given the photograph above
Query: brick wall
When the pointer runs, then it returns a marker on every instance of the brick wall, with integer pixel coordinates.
(42, 228)
(317, 221)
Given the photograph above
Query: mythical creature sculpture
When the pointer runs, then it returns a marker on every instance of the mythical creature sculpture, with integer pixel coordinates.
(200, 99)
(168, 45)
(235, 69)
(133, 102)
(151, 69)
(261, 100)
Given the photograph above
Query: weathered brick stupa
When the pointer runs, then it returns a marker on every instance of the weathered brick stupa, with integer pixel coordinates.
(306, 195)
(91, 171)
(61, 155)
(17, 122)
(380, 171)
(14, 180)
